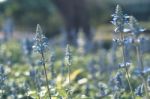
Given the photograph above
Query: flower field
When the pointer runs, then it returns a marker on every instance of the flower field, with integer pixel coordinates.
(44, 69)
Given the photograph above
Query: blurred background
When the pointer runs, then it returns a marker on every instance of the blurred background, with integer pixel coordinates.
(22, 16)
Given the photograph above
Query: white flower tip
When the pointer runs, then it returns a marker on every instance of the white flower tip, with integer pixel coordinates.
(38, 28)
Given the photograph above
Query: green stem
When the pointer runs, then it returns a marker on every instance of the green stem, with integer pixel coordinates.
(129, 83)
(126, 68)
(69, 75)
(70, 97)
(43, 59)
(140, 61)
(139, 56)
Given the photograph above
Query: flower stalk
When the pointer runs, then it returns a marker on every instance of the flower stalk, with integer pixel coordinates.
(40, 46)
(119, 19)
(68, 61)
(136, 30)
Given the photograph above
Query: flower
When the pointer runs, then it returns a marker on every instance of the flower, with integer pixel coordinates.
(118, 19)
(125, 65)
(135, 28)
(118, 80)
(68, 55)
(139, 90)
(27, 46)
(40, 41)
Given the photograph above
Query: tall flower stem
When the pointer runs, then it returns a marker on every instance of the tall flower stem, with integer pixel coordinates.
(40, 46)
(126, 68)
(70, 97)
(69, 75)
(140, 60)
(68, 60)
(45, 72)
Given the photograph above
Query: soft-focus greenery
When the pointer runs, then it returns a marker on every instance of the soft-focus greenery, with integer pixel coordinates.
(28, 13)
(18, 72)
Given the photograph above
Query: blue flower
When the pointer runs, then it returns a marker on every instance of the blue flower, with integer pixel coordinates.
(117, 83)
(140, 72)
(103, 90)
(135, 28)
(139, 91)
(33, 73)
(3, 77)
(125, 65)
(27, 46)
(40, 41)
(68, 55)
(119, 19)
(118, 79)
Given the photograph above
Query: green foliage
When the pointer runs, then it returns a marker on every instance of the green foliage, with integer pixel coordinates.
(28, 13)
(79, 76)
(10, 51)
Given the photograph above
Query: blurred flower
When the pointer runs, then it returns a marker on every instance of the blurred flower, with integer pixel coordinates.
(40, 41)
(3, 77)
(118, 19)
(116, 83)
(52, 58)
(146, 71)
(102, 89)
(27, 46)
(118, 41)
(68, 55)
(40, 62)
(1, 69)
(139, 91)
(129, 40)
(119, 81)
(125, 65)
(51, 67)
(33, 73)
(136, 29)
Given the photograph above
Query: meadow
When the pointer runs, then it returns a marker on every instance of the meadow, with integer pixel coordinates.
(47, 69)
